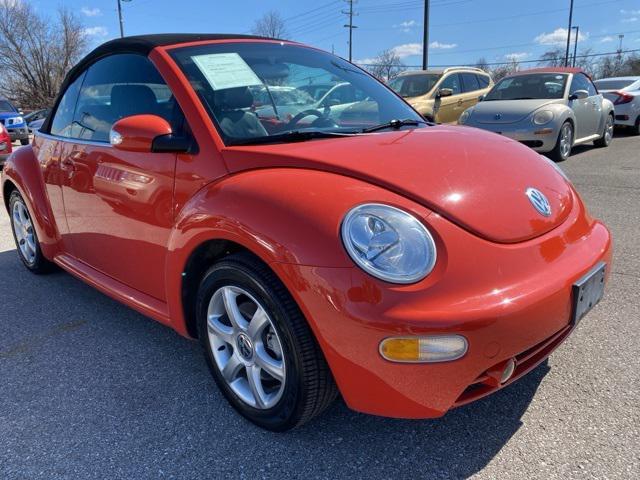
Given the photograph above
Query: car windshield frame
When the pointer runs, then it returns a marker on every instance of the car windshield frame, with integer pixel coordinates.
(528, 96)
(7, 103)
(380, 99)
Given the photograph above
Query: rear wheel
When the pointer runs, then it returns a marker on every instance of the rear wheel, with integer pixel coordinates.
(259, 347)
(25, 236)
(562, 149)
(607, 135)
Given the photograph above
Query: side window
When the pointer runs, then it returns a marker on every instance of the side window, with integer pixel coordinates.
(483, 80)
(452, 82)
(580, 82)
(119, 86)
(592, 88)
(470, 82)
(62, 121)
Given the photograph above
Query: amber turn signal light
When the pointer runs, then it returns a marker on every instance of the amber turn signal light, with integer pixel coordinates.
(429, 349)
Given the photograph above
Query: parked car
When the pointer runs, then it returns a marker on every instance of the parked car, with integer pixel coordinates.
(5, 145)
(624, 92)
(34, 120)
(548, 109)
(12, 119)
(413, 268)
(442, 95)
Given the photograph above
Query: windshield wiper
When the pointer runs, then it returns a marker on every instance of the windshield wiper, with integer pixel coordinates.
(394, 124)
(292, 136)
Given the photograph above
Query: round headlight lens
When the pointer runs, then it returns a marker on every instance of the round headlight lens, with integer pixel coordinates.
(542, 117)
(464, 117)
(388, 243)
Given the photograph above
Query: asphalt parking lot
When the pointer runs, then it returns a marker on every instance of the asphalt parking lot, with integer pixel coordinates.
(91, 389)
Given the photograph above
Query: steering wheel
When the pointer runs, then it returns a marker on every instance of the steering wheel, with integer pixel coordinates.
(305, 113)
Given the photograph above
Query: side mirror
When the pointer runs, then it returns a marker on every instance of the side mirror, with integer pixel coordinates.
(481, 98)
(579, 95)
(146, 134)
(444, 92)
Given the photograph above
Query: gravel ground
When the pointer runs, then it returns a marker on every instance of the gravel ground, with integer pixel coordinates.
(91, 389)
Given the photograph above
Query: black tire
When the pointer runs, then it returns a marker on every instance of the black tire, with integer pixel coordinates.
(24, 141)
(39, 264)
(635, 130)
(308, 388)
(557, 154)
(605, 140)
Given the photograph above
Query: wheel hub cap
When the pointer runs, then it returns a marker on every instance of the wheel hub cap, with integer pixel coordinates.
(246, 348)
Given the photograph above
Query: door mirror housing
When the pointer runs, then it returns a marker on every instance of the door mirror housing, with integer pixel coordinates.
(579, 95)
(146, 134)
(445, 92)
(481, 98)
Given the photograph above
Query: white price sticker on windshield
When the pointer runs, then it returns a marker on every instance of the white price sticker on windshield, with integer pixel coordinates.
(226, 70)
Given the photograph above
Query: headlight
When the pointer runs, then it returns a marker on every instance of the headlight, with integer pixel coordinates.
(542, 117)
(464, 117)
(388, 243)
(14, 120)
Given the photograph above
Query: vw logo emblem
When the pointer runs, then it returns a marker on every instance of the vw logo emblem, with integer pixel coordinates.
(497, 116)
(539, 201)
(245, 347)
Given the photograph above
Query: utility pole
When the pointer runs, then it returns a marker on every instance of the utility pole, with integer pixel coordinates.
(350, 26)
(575, 44)
(620, 37)
(425, 39)
(120, 16)
(566, 55)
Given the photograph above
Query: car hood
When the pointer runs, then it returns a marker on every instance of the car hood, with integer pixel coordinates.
(507, 111)
(4, 115)
(474, 178)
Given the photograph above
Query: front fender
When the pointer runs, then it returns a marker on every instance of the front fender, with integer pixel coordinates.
(22, 169)
(282, 215)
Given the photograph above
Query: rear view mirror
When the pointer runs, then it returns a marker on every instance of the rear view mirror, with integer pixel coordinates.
(146, 133)
(445, 92)
(579, 95)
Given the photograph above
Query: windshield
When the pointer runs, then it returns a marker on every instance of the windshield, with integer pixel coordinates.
(6, 106)
(529, 86)
(614, 84)
(258, 89)
(414, 85)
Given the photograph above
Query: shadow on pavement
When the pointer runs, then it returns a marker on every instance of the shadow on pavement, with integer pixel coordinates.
(91, 388)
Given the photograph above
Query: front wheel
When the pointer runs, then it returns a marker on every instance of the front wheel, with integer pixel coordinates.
(562, 149)
(24, 141)
(259, 346)
(607, 135)
(25, 236)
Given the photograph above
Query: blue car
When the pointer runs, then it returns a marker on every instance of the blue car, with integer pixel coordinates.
(16, 126)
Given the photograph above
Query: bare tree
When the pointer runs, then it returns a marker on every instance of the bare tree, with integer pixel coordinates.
(271, 25)
(552, 58)
(386, 66)
(36, 53)
(502, 71)
(482, 64)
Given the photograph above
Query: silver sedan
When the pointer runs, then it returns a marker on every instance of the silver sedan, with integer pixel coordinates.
(550, 110)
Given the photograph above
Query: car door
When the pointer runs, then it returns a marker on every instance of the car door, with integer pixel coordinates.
(449, 108)
(119, 205)
(471, 89)
(585, 109)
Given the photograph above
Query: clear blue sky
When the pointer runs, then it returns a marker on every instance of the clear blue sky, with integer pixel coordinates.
(461, 30)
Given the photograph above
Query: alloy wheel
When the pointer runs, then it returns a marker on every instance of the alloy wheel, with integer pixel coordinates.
(246, 347)
(23, 228)
(566, 140)
(608, 130)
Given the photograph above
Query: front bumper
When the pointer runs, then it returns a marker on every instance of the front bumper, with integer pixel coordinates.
(509, 301)
(18, 133)
(525, 133)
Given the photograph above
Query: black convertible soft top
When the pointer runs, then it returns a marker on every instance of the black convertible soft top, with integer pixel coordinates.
(140, 44)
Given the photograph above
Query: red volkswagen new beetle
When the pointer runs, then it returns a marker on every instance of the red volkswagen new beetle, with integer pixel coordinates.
(313, 246)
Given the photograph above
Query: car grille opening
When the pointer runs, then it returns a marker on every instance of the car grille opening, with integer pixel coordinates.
(525, 362)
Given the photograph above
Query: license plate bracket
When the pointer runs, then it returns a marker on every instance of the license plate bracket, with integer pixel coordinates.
(588, 291)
